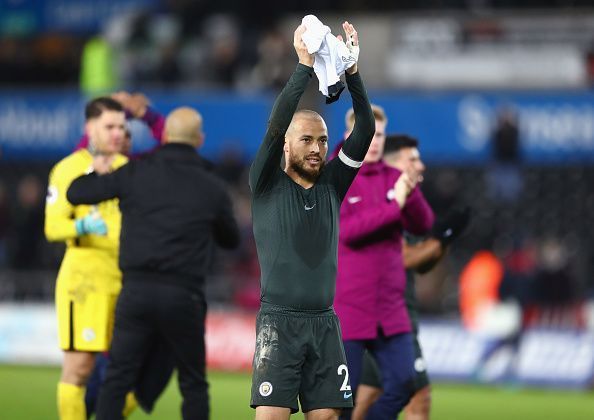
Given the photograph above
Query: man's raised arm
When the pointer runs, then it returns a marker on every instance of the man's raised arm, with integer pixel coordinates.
(356, 145)
(267, 160)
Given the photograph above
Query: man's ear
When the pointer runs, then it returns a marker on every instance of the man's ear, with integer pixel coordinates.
(200, 140)
(88, 128)
(89, 131)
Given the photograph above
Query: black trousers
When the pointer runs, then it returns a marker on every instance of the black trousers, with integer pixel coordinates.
(146, 311)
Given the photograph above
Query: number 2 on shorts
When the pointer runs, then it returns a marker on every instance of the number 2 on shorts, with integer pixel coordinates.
(345, 384)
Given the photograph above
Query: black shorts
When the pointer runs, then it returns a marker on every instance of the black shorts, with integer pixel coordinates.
(299, 357)
(371, 375)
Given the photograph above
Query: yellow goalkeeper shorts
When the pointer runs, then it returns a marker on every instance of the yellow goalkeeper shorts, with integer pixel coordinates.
(87, 289)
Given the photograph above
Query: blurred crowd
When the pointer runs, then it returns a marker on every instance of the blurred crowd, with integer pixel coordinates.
(534, 248)
(534, 229)
(207, 44)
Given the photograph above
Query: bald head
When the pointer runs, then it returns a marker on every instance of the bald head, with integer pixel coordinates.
(301, 117)
(306, 146)
(184, 125)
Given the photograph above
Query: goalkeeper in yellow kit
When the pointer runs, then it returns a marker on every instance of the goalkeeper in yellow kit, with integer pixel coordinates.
(89, 279)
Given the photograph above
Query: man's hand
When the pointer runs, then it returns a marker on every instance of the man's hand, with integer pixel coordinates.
(92, 223)
(134, 103)
(102, 163)
(352, 43)
(137, 105)
(121, 96)
(451, 226)
(403, 187)
(305, 58)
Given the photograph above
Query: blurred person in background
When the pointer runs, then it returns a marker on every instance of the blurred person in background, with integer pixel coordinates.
(27, 224)
(26, 237)
(420, 256)
(551, 297)
(136, 106)
(98, 73)
(555, 282)
(223, 56)
(483, 311)
(274, 61)
(480, 281)
(380, 205)
(519, 256)
(521, 283)
(5, 222)
(504, 176)
(89, 279)
(169, 231)
(299, 357)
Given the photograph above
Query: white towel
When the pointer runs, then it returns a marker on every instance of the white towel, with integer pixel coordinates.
(331, 56)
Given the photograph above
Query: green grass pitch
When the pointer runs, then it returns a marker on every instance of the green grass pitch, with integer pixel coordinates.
(29, 393)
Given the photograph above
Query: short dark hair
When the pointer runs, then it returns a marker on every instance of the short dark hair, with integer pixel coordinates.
(396, 142)
(95, 107)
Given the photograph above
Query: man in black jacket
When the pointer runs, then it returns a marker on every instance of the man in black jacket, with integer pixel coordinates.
(173, 212)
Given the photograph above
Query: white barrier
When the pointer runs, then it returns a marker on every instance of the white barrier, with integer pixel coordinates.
(550, 358)
(29, 335)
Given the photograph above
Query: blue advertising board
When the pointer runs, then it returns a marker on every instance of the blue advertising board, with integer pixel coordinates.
(19, 17)
(457, 127)
(452, 127)
(47, 126)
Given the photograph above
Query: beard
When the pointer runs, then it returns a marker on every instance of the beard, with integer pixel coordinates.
(301, 168)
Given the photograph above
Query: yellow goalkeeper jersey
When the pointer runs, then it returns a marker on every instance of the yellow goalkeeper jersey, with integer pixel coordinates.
(60, 215)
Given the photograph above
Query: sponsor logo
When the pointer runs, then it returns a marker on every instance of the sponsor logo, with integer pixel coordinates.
(353, 200)
(265, 389)
(347, 395)
(347, 59)
(308, 207)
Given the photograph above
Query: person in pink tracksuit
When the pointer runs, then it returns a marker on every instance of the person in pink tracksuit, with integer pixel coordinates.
(381, 203)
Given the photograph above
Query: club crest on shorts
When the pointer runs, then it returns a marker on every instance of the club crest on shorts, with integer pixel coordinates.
(88, 334)
(265, 389)
(420, 365)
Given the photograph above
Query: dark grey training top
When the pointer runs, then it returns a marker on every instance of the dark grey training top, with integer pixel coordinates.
(296, 229)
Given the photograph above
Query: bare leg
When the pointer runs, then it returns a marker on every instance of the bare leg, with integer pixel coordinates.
(420, 405)
(272, 413)
(323, 414)
(77, 367)
(366, 396)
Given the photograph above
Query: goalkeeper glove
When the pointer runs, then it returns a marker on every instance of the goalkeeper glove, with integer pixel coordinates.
(450, 227)
(91, 224)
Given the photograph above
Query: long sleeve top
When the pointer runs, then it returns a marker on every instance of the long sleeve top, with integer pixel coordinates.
(173, 213)
(296, 229)
(371, 281)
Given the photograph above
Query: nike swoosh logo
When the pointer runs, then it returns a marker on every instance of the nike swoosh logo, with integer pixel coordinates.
(353, 200)
(309, 208)
(347, 395)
